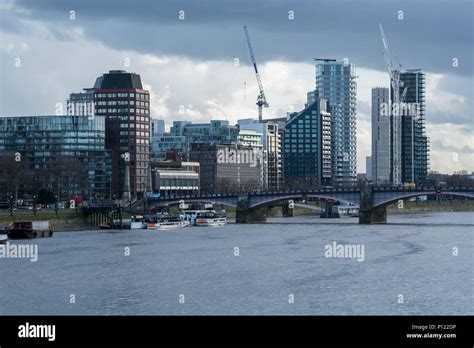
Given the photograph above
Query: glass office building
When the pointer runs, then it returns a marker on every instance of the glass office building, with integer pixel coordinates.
(307, 147)
(57, 149)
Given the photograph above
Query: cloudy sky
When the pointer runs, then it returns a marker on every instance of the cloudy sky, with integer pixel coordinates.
(197, 68)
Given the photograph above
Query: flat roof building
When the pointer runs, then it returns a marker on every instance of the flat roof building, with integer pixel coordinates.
(120, 97)
(228, 168)
(63, 154)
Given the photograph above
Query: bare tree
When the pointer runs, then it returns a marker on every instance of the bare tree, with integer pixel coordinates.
(13, 173)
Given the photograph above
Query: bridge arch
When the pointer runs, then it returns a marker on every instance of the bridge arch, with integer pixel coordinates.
(226, 203)
(383, 202)
(256, 203)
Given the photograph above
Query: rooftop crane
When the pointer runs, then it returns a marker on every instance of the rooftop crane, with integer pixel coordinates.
(261, 99)
(397, 99)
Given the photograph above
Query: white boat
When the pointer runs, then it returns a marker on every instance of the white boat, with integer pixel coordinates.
(137, 223)
(210, 218)
(164, 221)
(190, 215)
(342, 211)
(3, 238)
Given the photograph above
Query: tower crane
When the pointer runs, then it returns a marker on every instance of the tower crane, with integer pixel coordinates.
(397, 98)
(261, 99)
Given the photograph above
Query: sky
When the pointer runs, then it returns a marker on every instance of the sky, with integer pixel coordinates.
(193, 57)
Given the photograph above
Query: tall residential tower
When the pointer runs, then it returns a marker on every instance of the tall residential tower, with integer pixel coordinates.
(414, 142)
(336, 83)
(381, 135)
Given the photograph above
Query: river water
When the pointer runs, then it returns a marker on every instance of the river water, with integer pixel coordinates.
(279, 268)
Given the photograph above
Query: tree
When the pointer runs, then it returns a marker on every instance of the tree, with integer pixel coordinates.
(14, 173)
(45, 197)
(65, 176)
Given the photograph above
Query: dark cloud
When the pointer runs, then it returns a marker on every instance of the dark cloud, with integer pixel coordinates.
(429, 36)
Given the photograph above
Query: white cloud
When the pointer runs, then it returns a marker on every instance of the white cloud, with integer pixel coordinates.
(451, 147)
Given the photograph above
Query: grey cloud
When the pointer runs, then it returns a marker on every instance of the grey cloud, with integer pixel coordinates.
(431, 34)
(449, 148)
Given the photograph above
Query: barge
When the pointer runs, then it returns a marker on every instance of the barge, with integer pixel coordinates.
(29, 230)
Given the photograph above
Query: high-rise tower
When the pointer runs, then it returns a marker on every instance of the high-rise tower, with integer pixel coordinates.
(120, 97)
(336, 83)
(381, 136)
(414, 142)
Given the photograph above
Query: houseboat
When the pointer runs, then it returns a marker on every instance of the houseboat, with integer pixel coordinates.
(29, 230)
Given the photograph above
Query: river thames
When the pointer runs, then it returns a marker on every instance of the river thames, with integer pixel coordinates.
(417, 264)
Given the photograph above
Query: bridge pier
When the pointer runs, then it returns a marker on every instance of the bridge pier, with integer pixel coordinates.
(286, 211)
(250, 216)
(369, 214)
(246, 215)
(327, 210)
(377, 215)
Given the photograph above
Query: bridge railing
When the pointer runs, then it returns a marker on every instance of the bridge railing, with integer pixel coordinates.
(311, 191)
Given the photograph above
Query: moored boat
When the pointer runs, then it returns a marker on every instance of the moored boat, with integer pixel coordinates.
(3, 238)
(137, 222)
(211, 218)
(165, 221)
(29, 230)
(190, 215)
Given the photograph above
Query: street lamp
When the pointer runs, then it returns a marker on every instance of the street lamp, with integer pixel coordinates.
(56, 205)
(11, 205)
(34, 205)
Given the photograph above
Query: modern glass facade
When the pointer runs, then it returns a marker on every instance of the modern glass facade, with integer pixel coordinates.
(162, 144)
(74, 143)
(214, 132)
(336, 83)
(307, 148)
(415, 147)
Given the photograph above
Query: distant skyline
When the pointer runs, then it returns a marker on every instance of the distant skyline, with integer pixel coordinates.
(190, 67)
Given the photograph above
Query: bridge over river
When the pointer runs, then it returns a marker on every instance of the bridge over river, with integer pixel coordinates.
(372, 201)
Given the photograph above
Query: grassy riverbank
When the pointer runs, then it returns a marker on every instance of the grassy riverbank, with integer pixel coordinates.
(64, 220)
(431, 206)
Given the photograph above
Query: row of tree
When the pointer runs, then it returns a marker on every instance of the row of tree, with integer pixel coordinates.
(61, 176)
